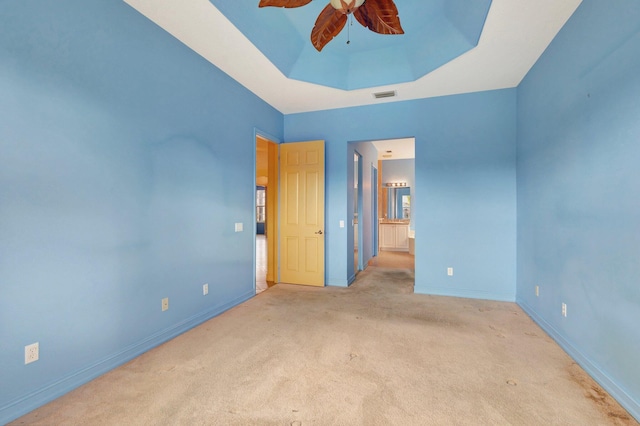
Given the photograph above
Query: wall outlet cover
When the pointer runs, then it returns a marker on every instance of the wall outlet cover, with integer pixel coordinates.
(165, 304)
(31, 353)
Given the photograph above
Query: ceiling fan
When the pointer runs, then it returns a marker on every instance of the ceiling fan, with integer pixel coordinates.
(380, 16)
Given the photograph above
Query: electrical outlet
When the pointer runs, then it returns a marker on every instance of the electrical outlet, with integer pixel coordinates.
(450, 272)
(537, 291)
(165, 303)
(564, 310)
(31, 353)
(205, 289)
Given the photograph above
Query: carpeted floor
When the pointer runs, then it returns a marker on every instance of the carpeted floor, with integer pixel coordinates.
(372, 354)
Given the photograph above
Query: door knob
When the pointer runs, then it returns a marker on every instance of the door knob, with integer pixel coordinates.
(319, 232)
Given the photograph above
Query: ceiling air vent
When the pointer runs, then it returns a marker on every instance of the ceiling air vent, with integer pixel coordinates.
(381, 95)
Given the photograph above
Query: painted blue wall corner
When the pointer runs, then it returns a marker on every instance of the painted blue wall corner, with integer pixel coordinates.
(579, 193)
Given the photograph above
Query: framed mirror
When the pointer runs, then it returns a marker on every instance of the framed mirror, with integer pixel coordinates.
(398, 202)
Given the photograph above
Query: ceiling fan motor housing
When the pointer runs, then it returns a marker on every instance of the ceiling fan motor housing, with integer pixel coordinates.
(346, 6)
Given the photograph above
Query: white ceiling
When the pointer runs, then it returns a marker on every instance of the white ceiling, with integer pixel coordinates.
(516, 33)
(401, 149)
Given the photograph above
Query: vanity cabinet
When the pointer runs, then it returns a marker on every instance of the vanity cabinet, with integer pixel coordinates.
(394, 236)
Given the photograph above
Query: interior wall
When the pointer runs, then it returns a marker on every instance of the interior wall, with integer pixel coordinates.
(125, 160)
(465, 169)
(369, 155)
(579, 193)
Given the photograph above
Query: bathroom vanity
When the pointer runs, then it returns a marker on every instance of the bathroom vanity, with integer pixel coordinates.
(394, 235)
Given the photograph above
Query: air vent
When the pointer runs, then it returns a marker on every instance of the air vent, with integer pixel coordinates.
(381, 95)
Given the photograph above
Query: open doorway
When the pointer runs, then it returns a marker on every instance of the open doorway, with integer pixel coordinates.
(396, 187)
(381, 192)
(266, 201)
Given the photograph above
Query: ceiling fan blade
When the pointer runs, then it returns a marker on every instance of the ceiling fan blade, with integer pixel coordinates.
(329, 23)
(380, 16)
(283, 3)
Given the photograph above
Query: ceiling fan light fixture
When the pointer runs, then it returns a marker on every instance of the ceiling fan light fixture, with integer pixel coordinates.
(380, 16)
(346, 6)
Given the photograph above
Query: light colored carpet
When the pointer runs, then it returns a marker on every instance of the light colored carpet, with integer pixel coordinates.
(372, 354)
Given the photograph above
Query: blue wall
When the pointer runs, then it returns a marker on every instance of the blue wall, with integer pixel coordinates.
(117, 144)
(465, 179)
(579, 193)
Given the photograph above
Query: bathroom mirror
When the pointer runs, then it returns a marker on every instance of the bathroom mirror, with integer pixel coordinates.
(398, 202)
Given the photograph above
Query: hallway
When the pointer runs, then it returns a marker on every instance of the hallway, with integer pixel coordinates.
(261, 264)
(393, 259)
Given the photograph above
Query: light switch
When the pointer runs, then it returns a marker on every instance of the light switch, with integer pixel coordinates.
(239, 227)
(342, 224)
